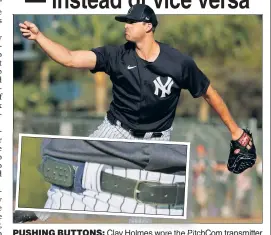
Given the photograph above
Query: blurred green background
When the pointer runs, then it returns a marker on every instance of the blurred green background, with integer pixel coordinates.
(227, 48)
(54, 100)
(32, 187)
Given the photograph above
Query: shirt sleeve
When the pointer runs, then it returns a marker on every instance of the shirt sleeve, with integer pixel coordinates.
(105, 55)
(194, 79)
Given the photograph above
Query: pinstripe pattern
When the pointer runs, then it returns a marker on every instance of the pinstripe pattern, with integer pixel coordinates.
(106, 130)
(93, 199)
(96, 200)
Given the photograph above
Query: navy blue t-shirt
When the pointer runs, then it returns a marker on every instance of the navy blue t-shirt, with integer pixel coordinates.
(146, 94)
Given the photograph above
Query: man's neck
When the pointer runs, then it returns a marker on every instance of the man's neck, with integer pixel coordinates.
(148, 49)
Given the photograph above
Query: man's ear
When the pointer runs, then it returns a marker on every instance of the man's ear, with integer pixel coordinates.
(149, 27)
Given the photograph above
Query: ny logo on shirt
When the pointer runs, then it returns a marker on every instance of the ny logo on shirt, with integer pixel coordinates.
(165, 89)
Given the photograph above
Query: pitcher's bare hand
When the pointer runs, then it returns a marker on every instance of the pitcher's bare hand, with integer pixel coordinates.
(29, 30)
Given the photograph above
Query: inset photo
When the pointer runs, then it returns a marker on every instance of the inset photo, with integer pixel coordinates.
(59, 174)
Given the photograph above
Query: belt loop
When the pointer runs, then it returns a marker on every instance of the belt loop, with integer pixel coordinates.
(180, 187)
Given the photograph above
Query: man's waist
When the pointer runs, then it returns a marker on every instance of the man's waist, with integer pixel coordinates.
(137, 124)
(74, 176)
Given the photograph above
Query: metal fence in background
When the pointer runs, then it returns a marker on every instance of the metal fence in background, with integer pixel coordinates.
(214, 193)
(214, 137)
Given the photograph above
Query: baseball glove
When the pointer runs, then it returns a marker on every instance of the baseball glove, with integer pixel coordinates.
(242, 153)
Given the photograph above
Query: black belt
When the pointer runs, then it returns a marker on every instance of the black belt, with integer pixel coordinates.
(135, 133)
(64, 174)
(144, 191)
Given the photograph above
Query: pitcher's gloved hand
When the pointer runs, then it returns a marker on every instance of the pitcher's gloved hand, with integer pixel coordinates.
(24, 216)
(242, 153)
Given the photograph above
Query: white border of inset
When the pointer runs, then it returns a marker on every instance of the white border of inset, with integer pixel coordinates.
(184, 216)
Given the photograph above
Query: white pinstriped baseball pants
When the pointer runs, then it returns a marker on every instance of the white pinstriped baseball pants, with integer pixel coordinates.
(93, 199)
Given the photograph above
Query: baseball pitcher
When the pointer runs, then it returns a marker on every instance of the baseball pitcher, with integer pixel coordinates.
(147, 77)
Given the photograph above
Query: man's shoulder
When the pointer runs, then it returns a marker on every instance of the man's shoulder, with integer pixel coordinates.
(123, 46)
(120, 49)
(175, 54)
